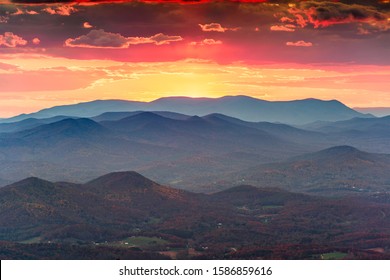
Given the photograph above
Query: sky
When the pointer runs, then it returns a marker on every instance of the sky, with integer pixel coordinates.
(65, 52)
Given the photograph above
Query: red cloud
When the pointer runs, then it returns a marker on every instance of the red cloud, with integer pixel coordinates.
(103, 39)
(162, 39)
(36, 41)
(11, 40)
(206, 42)
(25, 12)
(286, 28)
(287, 19)
(216, 27)
(211, 42)
(65, 10)
(299, 44)
(87, 25)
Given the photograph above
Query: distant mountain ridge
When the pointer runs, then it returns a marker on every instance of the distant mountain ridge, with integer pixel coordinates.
(376, 111)
(242, 107)
(335, 170)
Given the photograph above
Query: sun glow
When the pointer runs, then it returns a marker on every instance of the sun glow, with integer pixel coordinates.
(44, 81)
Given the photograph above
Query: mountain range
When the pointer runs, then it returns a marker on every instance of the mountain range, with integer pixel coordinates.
(341, 170)
(127, 210)
(234, 181)
(166, 149)
(371, 134)
(242, 107)
(175, 149)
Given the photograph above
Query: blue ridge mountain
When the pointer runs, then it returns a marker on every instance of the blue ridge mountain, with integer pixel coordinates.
(242, 107)
(336, 171)
(165, 149)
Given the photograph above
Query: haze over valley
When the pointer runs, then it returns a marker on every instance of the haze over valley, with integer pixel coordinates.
(257, 179)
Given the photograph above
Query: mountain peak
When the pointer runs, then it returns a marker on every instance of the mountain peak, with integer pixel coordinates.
(338, 153)
(195, 119)
(338, 150)
(68, 127)
(31, 181)
(121, 181)
(32, 186)
(145, 116)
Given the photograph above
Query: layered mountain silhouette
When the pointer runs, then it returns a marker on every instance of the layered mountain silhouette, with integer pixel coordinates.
(28, 123)
(366, 125)
(369, 134)
(333, 171)
(175, 149)
(376, 111)
(166, 149)
(242, 107)
(238, 177)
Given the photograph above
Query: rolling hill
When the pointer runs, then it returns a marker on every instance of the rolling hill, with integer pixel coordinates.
(369, 134)
(124, 210)
(28, 123)
(106, 206)
(337, 170)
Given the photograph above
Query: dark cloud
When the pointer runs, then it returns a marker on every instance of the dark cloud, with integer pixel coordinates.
(103, 39)
(325, 13)
(98, 39)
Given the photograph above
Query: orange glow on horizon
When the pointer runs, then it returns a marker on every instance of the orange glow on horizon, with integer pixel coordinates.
(356, 86)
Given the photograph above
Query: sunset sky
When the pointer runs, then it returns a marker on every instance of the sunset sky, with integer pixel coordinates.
(72, 51)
